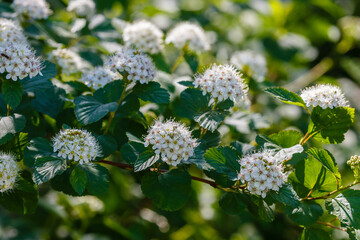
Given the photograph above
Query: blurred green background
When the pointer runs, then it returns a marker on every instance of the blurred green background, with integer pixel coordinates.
(294, 36)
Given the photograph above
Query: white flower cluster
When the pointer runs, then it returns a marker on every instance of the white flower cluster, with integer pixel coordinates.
(324, 95)
(69, 61)
(75, 144)
(264, 171)
(188, 33)
(222, 82)
(33, 9)
(350, 26)
(251, 63)
(354, 163)
(143, 35)
(10, 31)
(133, 63)
(99, 77)
(82, 8)
(9, 170)
(171, 141)
(19, 61)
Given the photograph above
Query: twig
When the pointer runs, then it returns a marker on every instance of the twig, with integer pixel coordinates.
(330, 193)
(131, 168)
(330, 225)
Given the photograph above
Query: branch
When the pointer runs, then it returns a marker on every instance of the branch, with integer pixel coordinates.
(330, 225)
(131, 168)
(330, 193)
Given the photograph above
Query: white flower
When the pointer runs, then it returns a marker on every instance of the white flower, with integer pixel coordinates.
(264, 171)
(76, 145)
(136, 65)
(69, 61)
(251, 63)
(33, 9)
(99, 77)
(10, 31)
(350, 26)
(222, 82)
(143, 35)
(82, 8)
(171, 141)
(324, 95)
(9, 170)
(188, 33)
(19, 61)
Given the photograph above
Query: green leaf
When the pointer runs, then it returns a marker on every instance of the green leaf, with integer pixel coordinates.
(192, 60)
(111, 92)
(23, 197)
(305, 214)
(286, 96)
(97, 178)
(89, 110)
(286, 195)
(220, 179)
(242, 148)
(346, 206)
(232, 203)
(161, 63)
(331, 124)
(47, 168)
(224, 161)
(211, 120)
(169, 191)
(152, 92)
(286, 138)
(145, 160)
(194, 102)
(315, 234)
(108, 145)
(130, 151)
(78, 179)
(313, 175)
(40, 82)
(10, 125)
(186, 83)
(62, 183)
(49, 101)
(38, 147)
(266, 213)
(12, 92)
(326, 159)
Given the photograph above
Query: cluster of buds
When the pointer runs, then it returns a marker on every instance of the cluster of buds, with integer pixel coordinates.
(19, 61)
(354, 163)
(189, 34)
(99, 77)
(323, 95)
(250, 63)
(137, 66)
(172, 141)
(69, 61)
(143, 35)
(350, 26)
(76, 145)
(222, 82)
(33, 9)
(9, 170)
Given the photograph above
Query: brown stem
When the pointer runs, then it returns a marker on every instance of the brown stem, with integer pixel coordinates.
(129, 167)
(330, 225)
(330, 193)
